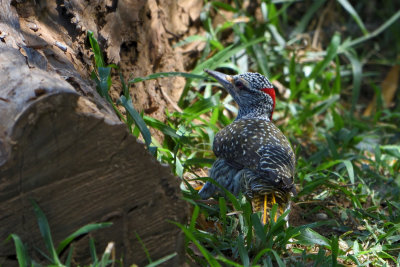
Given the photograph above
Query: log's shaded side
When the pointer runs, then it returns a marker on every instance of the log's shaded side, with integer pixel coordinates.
(81, 165)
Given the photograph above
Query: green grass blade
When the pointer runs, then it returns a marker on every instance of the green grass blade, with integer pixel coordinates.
(167, 75)
(330, 55)
(146, 251)
(376, 32)
(210, 258)
(217, 60)
(300, 28)
(259, 229)
(261, 58)
(194, 218)
(310, 237)
(229, 262)
(337, 86)
(81, 231)
(127, 104)
(162, 260)
(357, 77)
(45, 232)
(190, 39)
(349, 8)
(98, 57)
(104, 82)
(105, 259)
(93, 252)
(224, 6)
(276, 35)
(278, 259)
(335, 250)
(165, 129)
(200, 107)
(243, 251)
(222, 210)
(350, 170)
(224, 55)
(260, 254)
(69, 256)
(22, 254)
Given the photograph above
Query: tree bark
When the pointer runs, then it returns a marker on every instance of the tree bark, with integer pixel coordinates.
(63, 146)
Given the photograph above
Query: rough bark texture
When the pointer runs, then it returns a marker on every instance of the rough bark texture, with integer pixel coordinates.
(62, 145)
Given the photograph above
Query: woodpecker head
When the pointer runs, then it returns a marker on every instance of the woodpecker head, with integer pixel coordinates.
(253, 92)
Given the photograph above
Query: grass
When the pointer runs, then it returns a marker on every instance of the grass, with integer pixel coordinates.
(348, 168)
(62, 255)
(348, 164)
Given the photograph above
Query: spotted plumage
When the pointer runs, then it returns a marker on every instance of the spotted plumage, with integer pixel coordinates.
(253, 156)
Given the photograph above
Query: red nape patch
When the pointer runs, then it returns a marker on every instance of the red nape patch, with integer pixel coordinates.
(271, 93)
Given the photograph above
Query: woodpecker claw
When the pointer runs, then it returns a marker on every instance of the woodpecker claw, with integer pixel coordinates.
(198, 188)
(265, 209)
(273, 202)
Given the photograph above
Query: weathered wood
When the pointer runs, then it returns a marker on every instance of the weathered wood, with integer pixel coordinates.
(72, 155)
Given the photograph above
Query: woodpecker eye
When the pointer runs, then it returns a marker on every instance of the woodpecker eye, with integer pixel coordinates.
(239, 85)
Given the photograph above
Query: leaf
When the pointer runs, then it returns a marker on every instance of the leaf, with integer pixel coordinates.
(210, 258)
(350, 170)
(98, 57)
(104, 86)
(222, 210)
(92, 249)
(199, 162)
(127, 104)
(162, 260)
(310, 237)
(217, 60)
(198, 108)
(278, 259)
(231, 263)
(81, 231)
(109, 251)
(260, 254)
(69, 256)
(242, 251)
(223, 55)
(301, 26)
(275, 33)
(357, 76)
(178, 167)
(193, 220)
(335, 250)
(346, 45)
(331, 53)
(190, 39)
(45, 232)
(224, 6)
(146, 251)
(22, 254)
(165, 75)
(349, 8)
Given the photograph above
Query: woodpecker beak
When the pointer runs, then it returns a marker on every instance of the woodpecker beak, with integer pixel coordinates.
(225, 80)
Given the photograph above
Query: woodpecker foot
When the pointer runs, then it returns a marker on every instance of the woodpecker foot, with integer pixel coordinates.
(198, 188)
(266, 209)
(264, 203)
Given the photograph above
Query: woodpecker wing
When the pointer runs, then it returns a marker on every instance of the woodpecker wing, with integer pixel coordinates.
(280, 162)
(258, 145)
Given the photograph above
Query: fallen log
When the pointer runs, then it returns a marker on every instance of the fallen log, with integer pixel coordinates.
(72, 155)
